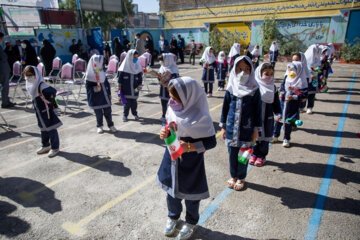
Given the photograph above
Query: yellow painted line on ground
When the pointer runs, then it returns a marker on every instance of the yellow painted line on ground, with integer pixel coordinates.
(78, 228)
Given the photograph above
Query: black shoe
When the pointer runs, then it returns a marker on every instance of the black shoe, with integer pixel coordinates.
(8, 105)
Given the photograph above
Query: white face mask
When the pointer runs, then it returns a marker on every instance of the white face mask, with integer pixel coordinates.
(30, 79)
(23, 45)
(242, 77)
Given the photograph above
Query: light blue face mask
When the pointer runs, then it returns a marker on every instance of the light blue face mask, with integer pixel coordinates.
(135, 60)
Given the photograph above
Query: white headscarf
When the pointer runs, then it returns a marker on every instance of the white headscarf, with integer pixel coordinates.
(95, 63)
(299, 81)
(221, 59)
(312, 55)
(128, 65)
(323, 48)
(266, 89)
(33, 88)
(194, 120)
(274, 46)
(235, 49)
(207, 57)
(306, 71)
(234, 86)
(255, 52)
(169, 64)
(332, 49)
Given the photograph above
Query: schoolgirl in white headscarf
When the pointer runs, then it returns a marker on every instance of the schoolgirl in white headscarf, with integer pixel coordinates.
(43, 98)
(185, 177)
(222, 69)
(240, 117)
(274, 53)
(235, 50)
(99, 92)
(168, 64)
(208, 61)
(130, 82)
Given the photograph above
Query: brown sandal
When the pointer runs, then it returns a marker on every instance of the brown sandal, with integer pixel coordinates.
(239, 185)
(231, 182)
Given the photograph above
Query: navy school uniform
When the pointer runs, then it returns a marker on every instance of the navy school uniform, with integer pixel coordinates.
(291, 111)
(221, 72)
(261, 149)
(208, 77)
(129, 82)
(164, 96)
(100, 101)
(48, 126)
(312, 89)
(273, 56)
(239, 117)
(186, 179)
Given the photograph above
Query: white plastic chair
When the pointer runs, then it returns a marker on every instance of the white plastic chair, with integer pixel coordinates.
(56, 68)
(16, 77)
(67, 76)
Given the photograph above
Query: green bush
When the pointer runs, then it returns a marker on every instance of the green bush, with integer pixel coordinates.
(223, 41)
(351, 51)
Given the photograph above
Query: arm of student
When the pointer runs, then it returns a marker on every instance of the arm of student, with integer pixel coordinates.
(120, 80)
(225, 109)
(201, 145)
(257, 105)
(276, 104)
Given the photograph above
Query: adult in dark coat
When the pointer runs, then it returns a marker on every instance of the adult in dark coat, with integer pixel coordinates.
(47, 55)
(173, 45)
(29, 55)
(10, 52)
(4, 77)
(150, 46)
(74, 48)
(107, 53)
(127, 44)
(118, 48)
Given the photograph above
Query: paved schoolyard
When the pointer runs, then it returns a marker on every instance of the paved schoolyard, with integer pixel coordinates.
(103, 186)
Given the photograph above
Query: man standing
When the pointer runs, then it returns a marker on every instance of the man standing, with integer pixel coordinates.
(139, 44)
(12, 57)
(181, 48)
(4, 77)
(74, 48)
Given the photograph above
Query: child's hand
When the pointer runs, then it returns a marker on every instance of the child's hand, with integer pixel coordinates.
(223, 133)
(289, 98)
(164, 133)
(185, 146)
(278, 118)
(254, 136)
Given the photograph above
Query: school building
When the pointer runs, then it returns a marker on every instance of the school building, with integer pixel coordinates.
(311, 21)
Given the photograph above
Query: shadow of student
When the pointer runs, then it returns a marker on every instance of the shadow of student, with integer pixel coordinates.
(318, 170)
(144, 137)
(338, 114)
(101, 163)
(347, 152)
(296, 199)
(9, 134)
(328, 133)
(30, 193)
(208, 234)
(338, 101)
(11, 226)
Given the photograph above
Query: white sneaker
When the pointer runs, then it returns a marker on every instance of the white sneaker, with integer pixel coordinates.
(170, 227)
(186, 231)
(43, 150)
(218, 88)
(53, 153)
(113, 129)
(286, 143)
(100, 130)
(309, 111)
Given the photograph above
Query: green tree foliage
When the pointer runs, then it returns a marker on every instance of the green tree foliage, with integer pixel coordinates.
(351, 51)
(288, 44)
(223, 41)
(105, 20)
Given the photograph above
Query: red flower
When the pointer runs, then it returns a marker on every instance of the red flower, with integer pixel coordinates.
(333, 32)
(346, 14)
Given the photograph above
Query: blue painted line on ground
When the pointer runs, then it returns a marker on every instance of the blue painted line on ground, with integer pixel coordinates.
(206, 214)
(318, 211)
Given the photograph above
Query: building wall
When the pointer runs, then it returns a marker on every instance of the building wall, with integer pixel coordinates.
(296, 9)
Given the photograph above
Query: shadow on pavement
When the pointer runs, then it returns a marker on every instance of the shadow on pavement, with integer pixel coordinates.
(208, 234)
(328, 133)
(11, 226)
(21, 190)
(338, 101)
(318, 170)
(296, 199)
(101, 163)
(144, 137)
(338, 114)
(347, 152)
